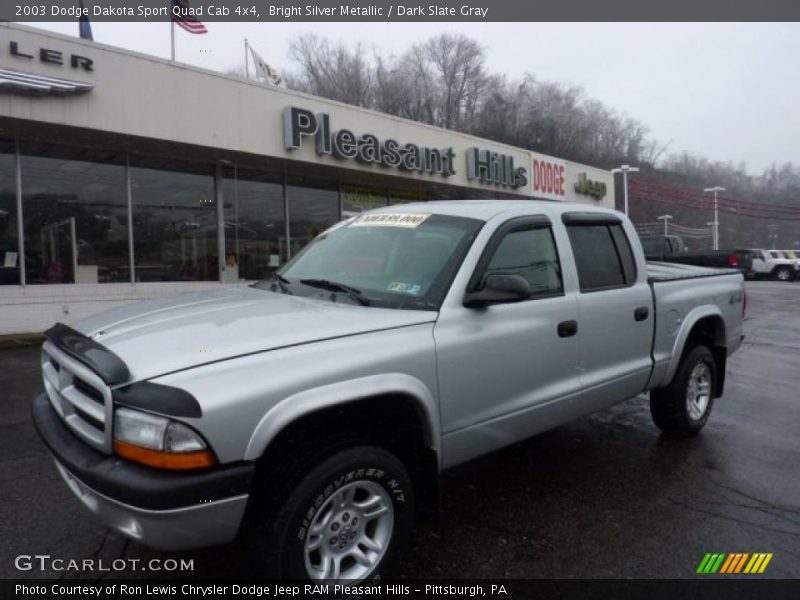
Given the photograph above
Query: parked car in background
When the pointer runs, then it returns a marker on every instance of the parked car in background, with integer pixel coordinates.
(774, 264)
(792, 255)
(742, 260)
(670, 248)
(661, 247)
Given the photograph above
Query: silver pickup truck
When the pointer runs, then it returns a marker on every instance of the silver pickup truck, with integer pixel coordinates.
(310, 415)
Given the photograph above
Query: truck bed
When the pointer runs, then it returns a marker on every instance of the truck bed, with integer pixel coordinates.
(717, 293)
(664, 271)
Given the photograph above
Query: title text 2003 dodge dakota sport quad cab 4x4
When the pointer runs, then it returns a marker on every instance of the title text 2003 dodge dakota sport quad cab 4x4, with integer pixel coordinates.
(311, 414)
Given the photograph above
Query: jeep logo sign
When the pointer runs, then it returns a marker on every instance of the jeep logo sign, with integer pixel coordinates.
(595, 189)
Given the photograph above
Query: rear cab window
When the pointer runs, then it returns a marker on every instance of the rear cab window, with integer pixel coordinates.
(603, 254)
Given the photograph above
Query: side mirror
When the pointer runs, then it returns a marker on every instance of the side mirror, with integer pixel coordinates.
(499, 289)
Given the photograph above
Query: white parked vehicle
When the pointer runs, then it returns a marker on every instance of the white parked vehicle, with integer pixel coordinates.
(792, 255)
(774, 264)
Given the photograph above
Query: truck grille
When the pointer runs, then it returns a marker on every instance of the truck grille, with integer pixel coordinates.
(79, 396)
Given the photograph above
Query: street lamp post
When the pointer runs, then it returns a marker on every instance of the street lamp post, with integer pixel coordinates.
(715, 189)
(713, 234)
(666, 219)
(625, 169)
(772, 234)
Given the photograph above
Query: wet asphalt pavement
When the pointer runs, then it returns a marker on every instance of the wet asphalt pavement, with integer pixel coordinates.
(605, 496)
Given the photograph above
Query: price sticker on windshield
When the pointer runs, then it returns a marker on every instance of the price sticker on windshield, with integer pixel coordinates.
(407, 220)
(404, 288)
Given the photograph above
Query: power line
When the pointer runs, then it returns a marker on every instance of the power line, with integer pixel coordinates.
(646, 192)
(646, 188)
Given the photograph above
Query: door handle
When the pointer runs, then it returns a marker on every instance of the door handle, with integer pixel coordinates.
(567, 328)
(640, 314)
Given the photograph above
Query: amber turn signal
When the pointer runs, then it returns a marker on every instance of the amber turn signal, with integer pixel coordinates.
(175, 461)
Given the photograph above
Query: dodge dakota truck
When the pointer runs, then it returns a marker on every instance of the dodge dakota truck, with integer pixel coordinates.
(309, 416)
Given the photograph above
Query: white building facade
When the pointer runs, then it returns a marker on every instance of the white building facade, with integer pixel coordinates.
(124, 176)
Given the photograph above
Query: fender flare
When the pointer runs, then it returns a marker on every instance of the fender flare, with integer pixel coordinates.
(691, 319)
(306, 402)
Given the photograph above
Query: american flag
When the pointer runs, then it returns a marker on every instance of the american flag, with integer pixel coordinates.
(188, 22)
(84, 27)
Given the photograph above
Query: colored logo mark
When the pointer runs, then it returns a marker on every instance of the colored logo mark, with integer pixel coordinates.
(734, 563)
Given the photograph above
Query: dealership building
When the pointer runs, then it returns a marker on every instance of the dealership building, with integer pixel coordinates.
(124, 176)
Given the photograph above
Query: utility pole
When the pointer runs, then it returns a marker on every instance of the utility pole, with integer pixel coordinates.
(716, 189)
(666, 219)
(625, 169)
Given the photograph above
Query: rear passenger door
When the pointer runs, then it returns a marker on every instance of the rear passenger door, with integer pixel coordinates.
(615, 310)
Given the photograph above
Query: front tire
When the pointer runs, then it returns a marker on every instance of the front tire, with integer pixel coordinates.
(783, 274)
(345, 521)
(683, 407)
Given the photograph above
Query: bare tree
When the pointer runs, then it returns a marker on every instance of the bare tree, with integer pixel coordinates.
(443, 82)
(448, 74)
(333, 71)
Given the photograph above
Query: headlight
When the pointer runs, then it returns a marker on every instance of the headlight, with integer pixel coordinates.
(159, 442)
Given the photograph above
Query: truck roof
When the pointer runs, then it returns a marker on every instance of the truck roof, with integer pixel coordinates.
(487, 209)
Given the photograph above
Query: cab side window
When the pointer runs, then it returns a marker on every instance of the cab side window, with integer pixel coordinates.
(603, 256)
(529, 252)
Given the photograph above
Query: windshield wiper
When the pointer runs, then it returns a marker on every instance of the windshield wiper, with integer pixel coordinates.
(282, 282)
(333, 286)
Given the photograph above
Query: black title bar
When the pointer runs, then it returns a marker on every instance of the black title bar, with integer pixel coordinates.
(389, 10)
(495, 589)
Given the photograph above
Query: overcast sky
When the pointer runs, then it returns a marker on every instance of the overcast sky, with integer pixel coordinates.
(729, 92)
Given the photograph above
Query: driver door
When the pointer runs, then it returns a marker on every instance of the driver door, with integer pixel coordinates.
(507, 371)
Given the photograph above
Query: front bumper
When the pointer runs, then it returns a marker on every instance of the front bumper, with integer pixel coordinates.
(160, 509)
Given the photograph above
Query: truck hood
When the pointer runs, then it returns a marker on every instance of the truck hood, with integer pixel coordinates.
(164, 335)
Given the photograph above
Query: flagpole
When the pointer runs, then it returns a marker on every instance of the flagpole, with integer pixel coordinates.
(172, 38)
(246, 62)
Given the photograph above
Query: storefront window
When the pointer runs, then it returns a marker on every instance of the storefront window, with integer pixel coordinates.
(313, 207)
(255, 224)
(397, 196)
(174, 221)
(358, 198)
(75, 215)
(9, 244)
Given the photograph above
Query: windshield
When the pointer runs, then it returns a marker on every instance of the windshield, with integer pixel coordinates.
(391, 260)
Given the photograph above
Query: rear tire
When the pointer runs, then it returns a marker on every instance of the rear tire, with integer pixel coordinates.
(783, 274)
(346, 520)
(683, 407)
